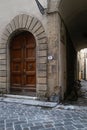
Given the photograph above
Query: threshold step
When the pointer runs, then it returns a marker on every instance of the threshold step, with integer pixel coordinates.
(19, 96)
(31, 102)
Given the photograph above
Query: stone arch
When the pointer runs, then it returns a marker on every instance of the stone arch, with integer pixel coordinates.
(34, 26)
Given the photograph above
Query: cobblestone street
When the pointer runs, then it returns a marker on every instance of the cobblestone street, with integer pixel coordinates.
(16, 116)
(23, 117)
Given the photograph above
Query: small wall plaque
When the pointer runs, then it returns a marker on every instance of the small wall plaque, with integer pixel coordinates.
(50, 57)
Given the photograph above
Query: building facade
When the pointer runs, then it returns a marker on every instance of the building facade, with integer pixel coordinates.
(37, 55)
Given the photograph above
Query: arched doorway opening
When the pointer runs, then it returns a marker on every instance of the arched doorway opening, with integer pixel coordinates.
(23, 64)
(82, 64)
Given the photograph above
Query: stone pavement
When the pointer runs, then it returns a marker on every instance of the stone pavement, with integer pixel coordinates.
(82, 99)
(18, 116)
(15, 116)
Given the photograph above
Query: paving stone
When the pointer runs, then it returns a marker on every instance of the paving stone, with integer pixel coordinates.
(27, 125)
(1, 121)
(36, 128)
(25, 128)
(48, 126)
(10, 128)
(9, 124)
(79, 126)
(1, 125)
(18, 127)
(60, 128)
(69, 127)
(49, 129)
(17, 116)
(20, 122)
(2, 128)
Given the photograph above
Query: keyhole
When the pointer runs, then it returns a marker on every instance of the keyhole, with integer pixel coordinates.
(30, 66)
(16, 67)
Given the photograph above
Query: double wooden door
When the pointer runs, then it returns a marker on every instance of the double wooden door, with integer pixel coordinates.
(23, 63)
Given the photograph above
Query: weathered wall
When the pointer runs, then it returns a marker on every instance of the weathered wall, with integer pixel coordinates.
(10, 8)
(71, 64)
(25, 15)
(62, 61)
(46, 28)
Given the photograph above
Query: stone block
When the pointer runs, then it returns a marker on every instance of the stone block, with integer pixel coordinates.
(25, 18)
(39, 31)
(42, 87)
(43, 40)
(13, 25)
(29, 21)
(42, 80)
(42, 35)
(37, 27)
(6, 33)
(2, 62)
(42, 47)
(42, 53)
(20, 20)
(2, 45)
(42, 73)
(41, 94)
(2, 56)
(16, 22)
(2, 73)
(2, 67)
(2, 79)
(42, 67)
(9, 29)
(33, 23)
(42, 60)
(4, 38)
(2, 85)
(53, 6)
(2, 51)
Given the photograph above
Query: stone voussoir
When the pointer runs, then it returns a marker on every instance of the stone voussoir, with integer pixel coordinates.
(29, 21)
(16, 22)
(34, 22)
(25, 18)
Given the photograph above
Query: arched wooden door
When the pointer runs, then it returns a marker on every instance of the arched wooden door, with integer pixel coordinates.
(23, 64)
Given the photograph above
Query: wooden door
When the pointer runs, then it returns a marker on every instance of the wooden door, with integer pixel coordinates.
(23, 63)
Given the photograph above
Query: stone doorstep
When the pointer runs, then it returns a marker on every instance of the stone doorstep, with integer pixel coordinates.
(19, 96)
(27, 101)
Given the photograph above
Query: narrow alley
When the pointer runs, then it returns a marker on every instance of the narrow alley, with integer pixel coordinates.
(82, 96)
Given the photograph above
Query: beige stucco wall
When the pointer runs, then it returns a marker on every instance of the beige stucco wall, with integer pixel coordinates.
(11, 8)
(32, 20)
(50, 34)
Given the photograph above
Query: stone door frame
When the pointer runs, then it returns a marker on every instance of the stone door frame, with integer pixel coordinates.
(25, 22)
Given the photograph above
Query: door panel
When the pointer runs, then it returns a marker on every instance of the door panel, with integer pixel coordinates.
(23, 63)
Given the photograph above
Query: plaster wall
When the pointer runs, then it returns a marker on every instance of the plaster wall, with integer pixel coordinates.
(10, 8)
